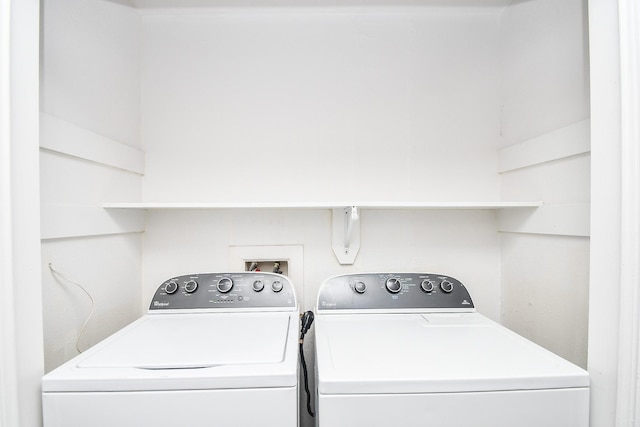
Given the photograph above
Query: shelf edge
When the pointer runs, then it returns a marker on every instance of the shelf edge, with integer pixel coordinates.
(325, 205)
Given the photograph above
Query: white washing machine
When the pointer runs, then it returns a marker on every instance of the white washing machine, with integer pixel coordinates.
(213, 349)
(409, 349)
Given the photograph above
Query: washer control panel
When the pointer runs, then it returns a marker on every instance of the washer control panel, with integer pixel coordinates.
(389, 291)
(225, 290)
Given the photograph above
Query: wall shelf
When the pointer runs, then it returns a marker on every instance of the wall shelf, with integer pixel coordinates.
(346, 218)
(324, 205)
(62, 220)
(152, 5)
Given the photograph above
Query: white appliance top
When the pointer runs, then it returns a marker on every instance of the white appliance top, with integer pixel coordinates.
(438, 352)
(187, 352)
(195, 341)
(388, 347)
(185, 346)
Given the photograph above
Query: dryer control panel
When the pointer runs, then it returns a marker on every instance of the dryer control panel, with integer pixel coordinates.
(393, 291)
(242, 290)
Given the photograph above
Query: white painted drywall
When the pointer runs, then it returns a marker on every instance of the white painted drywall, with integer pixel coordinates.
(545, 73)
(108, 267)
(545, 291)
(320, 104)
(91, 58)
(544, 89)
(90, 79)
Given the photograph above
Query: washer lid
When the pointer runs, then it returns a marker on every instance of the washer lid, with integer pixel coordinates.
(187, 352)
(194, 341)
(412, 353)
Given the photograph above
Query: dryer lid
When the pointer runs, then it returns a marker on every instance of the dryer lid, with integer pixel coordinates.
(412, 353)
(188, 341)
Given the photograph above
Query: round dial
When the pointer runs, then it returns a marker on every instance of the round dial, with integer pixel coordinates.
(360, 287)
(191, 286)
(277, 286)
(393, 285)
(258, 285)
(426, 285)
(224, 285)
(446, 286)
(171, 287)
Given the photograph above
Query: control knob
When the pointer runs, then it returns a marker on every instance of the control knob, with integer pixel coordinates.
(427, 285)
(224, 285)
(258, 285)
(191, 286)
(393, 285)
(277, 286)
(360, 287)
(171, 287)
(446, 286)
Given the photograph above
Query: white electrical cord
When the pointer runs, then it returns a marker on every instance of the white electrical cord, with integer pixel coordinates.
(84, 325)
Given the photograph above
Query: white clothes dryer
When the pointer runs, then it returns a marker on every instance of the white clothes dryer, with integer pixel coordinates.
(214, 349)
(409, 349)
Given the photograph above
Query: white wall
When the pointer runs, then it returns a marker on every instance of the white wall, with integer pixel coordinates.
(320, 104)
(545, 292)
(545, 102)
(109, 268)
(545, 74)
(90, 93)
(90, 57)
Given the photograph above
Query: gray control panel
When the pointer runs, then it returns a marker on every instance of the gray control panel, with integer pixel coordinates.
(384, 291)
(225, 290)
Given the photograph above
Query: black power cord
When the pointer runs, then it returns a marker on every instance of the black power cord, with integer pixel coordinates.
(306, 321)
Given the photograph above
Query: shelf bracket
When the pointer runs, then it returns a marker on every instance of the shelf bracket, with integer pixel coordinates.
(346, 234)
